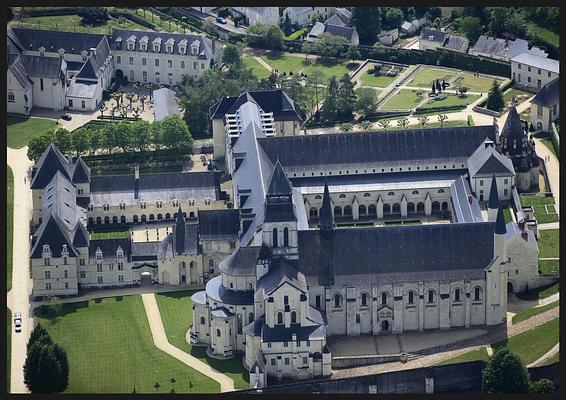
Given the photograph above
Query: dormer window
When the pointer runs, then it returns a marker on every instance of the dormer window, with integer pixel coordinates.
(143, 43)
(98, 253)
(131, 43)
(64, 251)
(157, 45)
(175, 203)
(106, 207)
(169, 45)
(61, 53)
(159, 204)
(119, 253)
(192, 202)
(46, 250)
(142, 205)
(122, 206)
(84, 54)
(42, 51)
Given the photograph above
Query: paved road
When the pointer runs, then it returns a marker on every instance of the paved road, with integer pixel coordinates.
(161, 342)
(18, 297)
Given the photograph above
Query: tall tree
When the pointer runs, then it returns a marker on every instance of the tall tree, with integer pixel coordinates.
(232, 56)
(471, 27)
(141, 135)
(495, 100)
(505, 373)
(353, 53)
(176, 134)
(346, 97)
(80, 140)
(329, 106)
(393, 17)
(366, 101)
(367, 21)
(122, 136)
(38, 145)
(62, 139)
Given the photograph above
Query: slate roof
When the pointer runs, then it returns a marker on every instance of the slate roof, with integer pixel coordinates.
(144, 251)
(274, 101)
(81, 171)
(457, 43)
(279, 333)
(221, 312)
(465, 205)
(318, 29)
(51, 161)
(500, 47)
(215, 291)
(113, 189)
(279, 184)
(282, 271)
(109, 247)
(300, 10)
(493, 201)
(199, 297)
(512, 229)
(82, 90)
(431, 247)
(54, 233)
(59, 197)
(45, 67)
(81, 237)
(487, 161)
(344, 14)
(437, 36)
(338, 30)
(165, 104)
(279, 197)
(19, 70)
(406, 25)
(72, 42)
(367, 147)
(242, 262)
(334, 19)
(549, 94)
(500, 228)
(548, 64)
(219, 222)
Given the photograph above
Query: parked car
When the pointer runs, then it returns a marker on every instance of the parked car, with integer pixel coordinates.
(66, 117)
(18, 322)
(221, 20)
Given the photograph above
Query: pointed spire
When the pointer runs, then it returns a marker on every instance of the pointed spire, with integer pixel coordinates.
(500, 222)
(493, 202)
(326, 215)
(279, 184)
(180, 232)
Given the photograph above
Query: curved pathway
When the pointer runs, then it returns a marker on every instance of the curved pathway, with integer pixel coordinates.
(546, 356)
(161, 342)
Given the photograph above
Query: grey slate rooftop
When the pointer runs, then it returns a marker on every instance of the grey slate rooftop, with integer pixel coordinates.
(433, 35)
(535, 61)
(72, 42)
(109, 247)
(465, 206)
(219, 223)
(487, 161)
(549, 94)
(218, 293)
(242, 262)
(51, 161)
(54, 233)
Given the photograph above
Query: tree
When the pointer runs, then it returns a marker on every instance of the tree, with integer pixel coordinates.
(438, 87)
(62, 139)
(346, 127)
(140, 132)
(497, 17)
(442, 118)
(38, 334)
(495, 100)
(232, 57)
(107, 140)
(329, 45)
(116, 97)
(353, 53)
(393, 17)
(462, 90)
(137, 87)
(433, 87)
(61, 356)
(287, 25)
(346, 98)
(329, 107)
(93, 15)
(130, 97)
(122, 136)
(505, 373)
(157, 386)
(142, 102)
(80, 140)
(9, 14)
(54, 306)
(384, 123)
(471, 26)
(175, 134)
(366, 125)
(208, 25)
(46, 368)
(423, 120)
(102, 108)
(367, 21)
(38, 145)
(264, 36)
(136, 113)
(95, 140)
(403, 122)
(314, 82)
(542, 386)
(366, 101)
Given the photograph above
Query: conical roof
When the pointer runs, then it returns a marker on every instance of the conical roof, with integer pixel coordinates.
(326, 216)
(493, 202)
(500, 222)
(180, 232)
(513, 125)
(279, 184)
(81, 173)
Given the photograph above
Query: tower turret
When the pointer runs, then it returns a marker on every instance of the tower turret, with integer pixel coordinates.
(180, 233)
(493, 203)
(326, 215)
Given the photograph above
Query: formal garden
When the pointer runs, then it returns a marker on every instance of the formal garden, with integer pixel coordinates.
(176, 314)
(111, 350)
(548, 243)
(543, 208)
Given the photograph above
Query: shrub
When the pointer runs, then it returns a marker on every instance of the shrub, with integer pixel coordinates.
(440, 96)
(542, 386)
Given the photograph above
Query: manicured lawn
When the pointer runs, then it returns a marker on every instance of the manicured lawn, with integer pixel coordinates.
(22, 129)
(507, 215)
(544, 34)
(538, 203)
(427, 75)
(258, 69)
(549, 267)
(9, 345)
(474, 355)
(539, 293)
(532, 344)
(475, 83)
(405, 99)
(520, 95)
(72, 23)
(433, 124)
(110, 233)
(548, 243)
(111, 350)
(329, 68)
(9, 226)
(528, 313)
(377, 81)
(450, 101)
(176, 314)
(284, 63)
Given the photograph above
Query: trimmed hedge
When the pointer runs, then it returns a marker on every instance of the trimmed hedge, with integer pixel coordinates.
(379, 115)
(50, 11)
(438, 109)
(133, 17)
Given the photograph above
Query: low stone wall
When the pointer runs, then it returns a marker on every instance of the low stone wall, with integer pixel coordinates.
(358, 361)
(485, 111)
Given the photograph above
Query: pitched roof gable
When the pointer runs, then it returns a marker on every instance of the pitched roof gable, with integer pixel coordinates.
(53, 233)
(51, 161)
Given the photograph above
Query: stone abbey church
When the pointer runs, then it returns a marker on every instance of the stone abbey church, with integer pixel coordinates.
(309, 243)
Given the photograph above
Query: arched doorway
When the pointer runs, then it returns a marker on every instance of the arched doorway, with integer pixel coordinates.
(420, 207)
(146, 279)
(165, 278)
(410, 208)
(119, 74)
(396, 208)
(385, 326)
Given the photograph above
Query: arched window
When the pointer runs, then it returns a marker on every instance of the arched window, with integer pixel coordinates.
(251, 286)
(420, 207)
(239, 324)
(159, 217)
(143, 218)
(337, 301)
(364, 299)
(348, 211)
(123, 219)
(367, 195)
(274, 238)
(293, 317)
(386, 209)
(286, 300)
(114, 219)
(435, 206)
(202, 321)
(384, 298)
(286, 237)
(372, 210)
(396, 208)
(231, 285)
(107, 220)
(280, 318)
(431, 296)
(90, 220)
(317, 197)
(151, 217)
(456, 295)
(410, 207)
(342, 196)
(337, 211)
(167, 216)
(477, 294)
(251, 318)
(415, 192)
(411, 297)
(313, 212)
(317, 301)
(362, 210)
(440, 190)
(391, 194)
(218, 332)
(444, 206)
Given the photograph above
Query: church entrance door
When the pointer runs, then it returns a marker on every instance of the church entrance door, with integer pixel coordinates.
(385, 326)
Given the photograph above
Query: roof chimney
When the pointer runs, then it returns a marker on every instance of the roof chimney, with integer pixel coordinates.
(93, 51)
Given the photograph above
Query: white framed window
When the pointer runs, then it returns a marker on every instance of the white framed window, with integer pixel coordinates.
(99, 279)
(157, 62)
(144, 76)
(98, 267)
(144, 61)
(82, 262)
(182, 64)
(12, 98)
(47, 274)
(120, 278)
(83, 104)
(170, 63)
(131, 60)
(118, 60)
(170, 78)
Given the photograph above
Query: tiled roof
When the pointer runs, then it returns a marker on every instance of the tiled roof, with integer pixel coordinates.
(487, 161)
(109, 247)
(335, 19)
(465, 205)
(59, 197)
(241, 263)
(45, 67)
(216, 292)
(282, 271)
(437, 36)
(342, 31)
(81, 172)
(53, 233)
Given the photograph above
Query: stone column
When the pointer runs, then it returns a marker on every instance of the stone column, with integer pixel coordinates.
(468, 302)
(403, 207)
(398, 309)
(421, 306)
(355, 209)
(428, 205)
(444, 305)
(379, 208)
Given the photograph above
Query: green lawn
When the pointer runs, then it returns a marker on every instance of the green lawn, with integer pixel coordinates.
(377, 81)
(475, 83)
(329, 68)
(549, 267)
(528, 313)
(507, 215)
(110, 233)
(520, 95)
(550, 145)
(72, 23)
(432, 124)
(9, 345)
(544, 34)
(548, 243)
(258, 69)
(284, 63)
(474, 355)
(9, 226)
(176, 314)
(532, 344)
(539, 293)
(538, 203)
(22, 129)
(111, 350)
(404, 99)
(450, 101)
(427, 75)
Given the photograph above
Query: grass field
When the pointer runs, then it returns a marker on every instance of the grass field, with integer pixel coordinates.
(329, 68)
(528, 313)
(9, 226)
(109, 233)
(427, 75)
(176, 314)
(532, 344)
(549, 267)
(284, 63)
(507, 215)
(433, 124)
(258, 69)
(521, 95)
(539, 293)
(110, 350)
(544, 34)
(538, 203)
(548, 243)
(22, 129)
(9, 345)
(72, 23)
(450, 101)
(377, 81)
(404, 99)
(474, 355)
(475, 83)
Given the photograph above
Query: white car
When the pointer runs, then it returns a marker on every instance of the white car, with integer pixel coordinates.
(18, 322)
